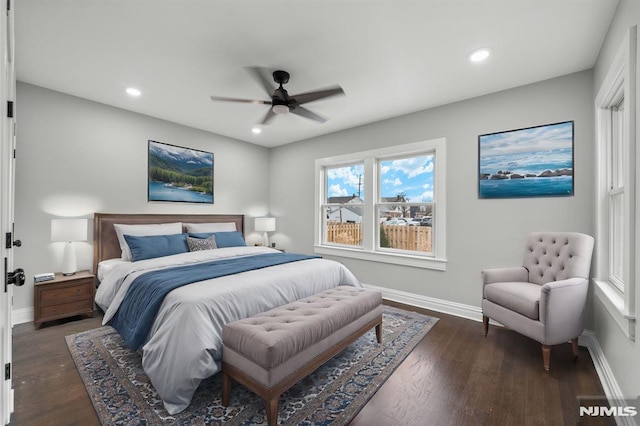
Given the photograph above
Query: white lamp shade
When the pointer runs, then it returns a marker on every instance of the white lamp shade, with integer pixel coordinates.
(69, 230)
(265, 224)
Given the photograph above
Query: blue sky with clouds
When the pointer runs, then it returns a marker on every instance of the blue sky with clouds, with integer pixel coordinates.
(532, 150)
(412, 175)
(536, 139)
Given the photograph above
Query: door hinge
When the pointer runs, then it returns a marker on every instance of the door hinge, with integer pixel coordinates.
(10, 109)
(7, 371)
(8, 6)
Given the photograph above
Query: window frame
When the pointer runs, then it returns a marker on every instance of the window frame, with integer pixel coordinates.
(616, 293)
(370, 249)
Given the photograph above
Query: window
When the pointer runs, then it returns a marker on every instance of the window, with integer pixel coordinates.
(615, 147)
(405, 204)
(343, 212)
(616, 214)
(385, 205)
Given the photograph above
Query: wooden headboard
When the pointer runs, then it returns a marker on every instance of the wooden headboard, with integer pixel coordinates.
(105, 240)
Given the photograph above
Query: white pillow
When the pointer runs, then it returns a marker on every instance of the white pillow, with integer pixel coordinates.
(143, 231)
(106, 266)
(210, 227)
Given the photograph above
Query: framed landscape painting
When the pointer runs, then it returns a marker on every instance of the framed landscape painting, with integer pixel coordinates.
(179, 174)
(531, 162)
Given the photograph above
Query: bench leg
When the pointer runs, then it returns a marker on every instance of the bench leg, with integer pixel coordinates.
(226, 389)
(379, 333)
(271, 411)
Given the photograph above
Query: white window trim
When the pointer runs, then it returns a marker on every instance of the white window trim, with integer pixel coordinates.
(619, 82)
(438, 259)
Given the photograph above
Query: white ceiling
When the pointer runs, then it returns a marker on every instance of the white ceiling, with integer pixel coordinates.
(391, 57)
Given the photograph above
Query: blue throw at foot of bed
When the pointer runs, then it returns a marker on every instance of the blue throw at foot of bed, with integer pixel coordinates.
(142, 302)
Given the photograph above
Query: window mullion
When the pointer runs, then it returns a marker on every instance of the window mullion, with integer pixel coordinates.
(368, 222)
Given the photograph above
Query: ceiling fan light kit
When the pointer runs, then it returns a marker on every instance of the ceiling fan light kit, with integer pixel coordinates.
(281, 102)
(280, 109)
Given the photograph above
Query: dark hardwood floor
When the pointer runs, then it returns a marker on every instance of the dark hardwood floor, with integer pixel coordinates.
(455, 376)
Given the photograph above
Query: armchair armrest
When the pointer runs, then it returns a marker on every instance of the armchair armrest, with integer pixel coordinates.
(562, 305)
(499, 275)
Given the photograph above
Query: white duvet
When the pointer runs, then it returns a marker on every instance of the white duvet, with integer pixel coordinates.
(184, 345)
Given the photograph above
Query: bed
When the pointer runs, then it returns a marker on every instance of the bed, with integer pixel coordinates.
(183, 344)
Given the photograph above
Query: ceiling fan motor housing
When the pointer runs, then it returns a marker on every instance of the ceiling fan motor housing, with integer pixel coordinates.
(281, 77)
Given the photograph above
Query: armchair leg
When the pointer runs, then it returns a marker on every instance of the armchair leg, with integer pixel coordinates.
(546, 356)
(574, 346)
(485, 325)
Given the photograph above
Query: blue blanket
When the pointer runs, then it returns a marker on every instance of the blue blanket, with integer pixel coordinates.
(146, 293)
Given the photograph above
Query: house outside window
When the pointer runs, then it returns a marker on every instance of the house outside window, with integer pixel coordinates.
(385, 205)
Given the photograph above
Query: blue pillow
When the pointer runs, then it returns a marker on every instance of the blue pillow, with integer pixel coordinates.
(223, 239)
(201, 235)
(153, 246)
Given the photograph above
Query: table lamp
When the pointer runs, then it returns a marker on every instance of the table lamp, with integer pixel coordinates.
(69, 230)
(265, 224)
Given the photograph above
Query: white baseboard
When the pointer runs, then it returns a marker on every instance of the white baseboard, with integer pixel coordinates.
(446, 307)
(609, 383)
(587, 339)
(20, 316)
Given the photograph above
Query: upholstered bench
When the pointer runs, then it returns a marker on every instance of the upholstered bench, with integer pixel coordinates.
(272, 351)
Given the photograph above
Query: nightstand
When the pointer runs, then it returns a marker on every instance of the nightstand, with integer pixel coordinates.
(63, 297)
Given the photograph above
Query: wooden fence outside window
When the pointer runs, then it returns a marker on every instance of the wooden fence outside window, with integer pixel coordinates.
(402, 237)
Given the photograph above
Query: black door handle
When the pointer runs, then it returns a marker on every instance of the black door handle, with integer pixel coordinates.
(16, 277)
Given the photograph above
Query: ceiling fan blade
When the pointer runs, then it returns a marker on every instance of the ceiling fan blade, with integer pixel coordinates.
(303, 112)
(248, 101)
(303, 98)
(268, 116)
(258, 74)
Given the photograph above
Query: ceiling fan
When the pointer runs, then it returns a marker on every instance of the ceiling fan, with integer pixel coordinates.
(281, 102)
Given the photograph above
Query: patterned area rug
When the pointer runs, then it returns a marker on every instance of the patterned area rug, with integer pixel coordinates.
(122, 394)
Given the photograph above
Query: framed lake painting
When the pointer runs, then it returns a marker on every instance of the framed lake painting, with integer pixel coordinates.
(531, 162)
(179, 174)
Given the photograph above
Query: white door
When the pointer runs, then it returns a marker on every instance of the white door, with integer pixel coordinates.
(7, 146)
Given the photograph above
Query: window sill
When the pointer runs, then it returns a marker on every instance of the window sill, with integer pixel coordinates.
(613, 302)
(396, 259)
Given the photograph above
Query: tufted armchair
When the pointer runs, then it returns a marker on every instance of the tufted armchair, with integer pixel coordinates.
(545, 298)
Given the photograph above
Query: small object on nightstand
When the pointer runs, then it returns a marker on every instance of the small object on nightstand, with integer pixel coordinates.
(47, 276)
(63, 297)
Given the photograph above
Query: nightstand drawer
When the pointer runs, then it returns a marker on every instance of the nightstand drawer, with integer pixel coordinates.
(64, 310)
(77, 290)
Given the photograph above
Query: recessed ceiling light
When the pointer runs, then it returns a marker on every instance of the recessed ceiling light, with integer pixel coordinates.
(132, 91)
(479, 55)
(256, 130)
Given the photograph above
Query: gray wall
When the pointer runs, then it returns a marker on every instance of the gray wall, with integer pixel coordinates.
(76, 157)
(621, 353)
(481, 233)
